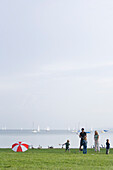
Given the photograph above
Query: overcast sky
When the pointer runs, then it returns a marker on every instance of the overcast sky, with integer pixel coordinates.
(56, 63)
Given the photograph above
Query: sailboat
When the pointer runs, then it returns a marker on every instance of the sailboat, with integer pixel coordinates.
(4, 128)
(47, 129)
(34, 130)
(68, 129)
(104, 131)
(38, 129)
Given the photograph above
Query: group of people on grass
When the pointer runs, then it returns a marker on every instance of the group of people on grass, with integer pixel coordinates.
(83, 142)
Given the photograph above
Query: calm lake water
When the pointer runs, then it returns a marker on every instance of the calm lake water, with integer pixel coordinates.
(49, 138)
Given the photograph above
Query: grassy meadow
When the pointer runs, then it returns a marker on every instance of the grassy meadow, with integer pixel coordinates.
(55, 159)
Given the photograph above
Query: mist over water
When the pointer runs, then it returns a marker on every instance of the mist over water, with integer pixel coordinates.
(50, 138)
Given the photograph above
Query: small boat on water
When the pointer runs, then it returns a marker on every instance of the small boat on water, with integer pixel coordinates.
(77, 132)
(104, 131)
(34, 131)
(47, 129)
(88, 132)
(68, 129)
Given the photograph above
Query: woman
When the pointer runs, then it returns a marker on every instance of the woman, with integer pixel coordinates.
(96, 139)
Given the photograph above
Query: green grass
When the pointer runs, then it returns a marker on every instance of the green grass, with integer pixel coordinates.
(56, 159)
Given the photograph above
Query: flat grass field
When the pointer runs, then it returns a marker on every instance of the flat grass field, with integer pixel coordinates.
(55, 159)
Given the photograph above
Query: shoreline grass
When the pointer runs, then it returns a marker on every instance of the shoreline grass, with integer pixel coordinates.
(55, 159)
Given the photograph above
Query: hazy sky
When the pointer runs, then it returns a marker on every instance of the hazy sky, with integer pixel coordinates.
(56, 63)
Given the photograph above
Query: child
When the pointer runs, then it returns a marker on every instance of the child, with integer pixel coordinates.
(67, 145)
(107, 146)
(85, 145)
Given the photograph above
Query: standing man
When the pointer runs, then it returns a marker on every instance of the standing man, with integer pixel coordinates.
(82, 136)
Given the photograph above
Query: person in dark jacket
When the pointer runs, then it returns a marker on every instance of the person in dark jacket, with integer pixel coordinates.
(82, 136)
(107, 146)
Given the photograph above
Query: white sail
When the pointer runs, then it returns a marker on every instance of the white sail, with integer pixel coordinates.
(38, 129)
